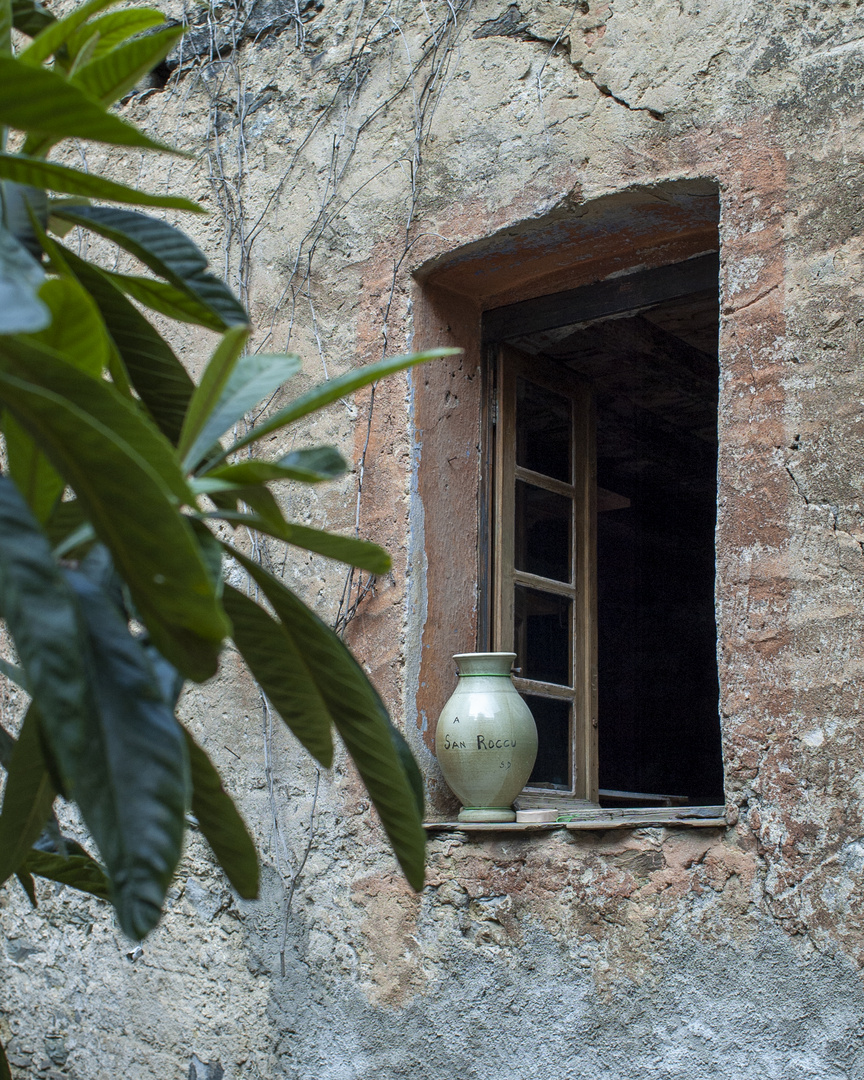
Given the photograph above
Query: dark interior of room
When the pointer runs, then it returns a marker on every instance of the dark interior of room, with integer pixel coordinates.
(655, 380)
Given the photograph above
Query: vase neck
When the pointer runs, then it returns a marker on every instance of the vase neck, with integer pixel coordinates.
(485, 663)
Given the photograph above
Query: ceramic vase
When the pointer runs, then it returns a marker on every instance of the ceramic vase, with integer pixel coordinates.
(486, 740)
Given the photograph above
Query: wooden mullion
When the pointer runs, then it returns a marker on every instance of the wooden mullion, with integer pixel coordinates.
(534, 581)
(585, 719)
(505, 498)
(546, 482)
(543, 689)
(582, 693)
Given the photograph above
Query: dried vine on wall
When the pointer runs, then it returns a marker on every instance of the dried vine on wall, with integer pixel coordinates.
(218, 59)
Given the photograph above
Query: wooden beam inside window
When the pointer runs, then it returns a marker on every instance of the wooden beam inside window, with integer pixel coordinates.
(630, 292)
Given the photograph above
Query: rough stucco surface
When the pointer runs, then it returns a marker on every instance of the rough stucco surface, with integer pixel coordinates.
(644, 954)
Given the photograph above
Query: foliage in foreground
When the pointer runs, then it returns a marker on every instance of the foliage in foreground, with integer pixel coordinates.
(116, 491)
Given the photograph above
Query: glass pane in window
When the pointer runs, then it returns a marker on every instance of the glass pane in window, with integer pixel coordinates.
(554, 759)
(543, 431)
(543, 527)
(542, 635)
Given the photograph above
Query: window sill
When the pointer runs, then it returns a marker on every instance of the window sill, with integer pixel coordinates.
(691, 817)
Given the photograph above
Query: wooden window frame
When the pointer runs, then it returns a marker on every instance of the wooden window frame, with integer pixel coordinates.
(506, 366)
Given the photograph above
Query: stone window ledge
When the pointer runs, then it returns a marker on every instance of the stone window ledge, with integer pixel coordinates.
(691, 817)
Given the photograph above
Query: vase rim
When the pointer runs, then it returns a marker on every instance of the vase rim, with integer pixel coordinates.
(477, 655)
(485, 663)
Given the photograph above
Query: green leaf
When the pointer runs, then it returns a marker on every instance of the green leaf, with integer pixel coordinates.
(127, 479)
(7, 743)
(69, 63)
(66, 519)
(159, 379)
(43, 103)
(54, 177)
(127, 768)
(80, 872)
(35, 476)
(25, 209)
(112, 29)
(331, 391)
(255, 377)
(209, 391)
(28, 885)
(211, 553)
(76, 329)
(168, 301)
(27, 800)
(221, 824)
(21, 310)
(111, 75)
(58, 32)
(409, 765)
(309, 466)
(30, 17)
(347, 549)
(358, 714)
(167, 251)
(5, 26)
(16, 675)
(277, 662)
(41, 613)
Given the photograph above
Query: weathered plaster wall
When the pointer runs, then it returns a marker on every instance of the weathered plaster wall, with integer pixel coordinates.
(656, 953)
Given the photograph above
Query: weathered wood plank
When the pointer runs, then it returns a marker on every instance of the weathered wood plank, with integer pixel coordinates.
(693, 817)
(597, 824)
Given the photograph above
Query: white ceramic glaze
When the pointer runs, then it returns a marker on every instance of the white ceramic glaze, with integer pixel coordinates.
(486, 740)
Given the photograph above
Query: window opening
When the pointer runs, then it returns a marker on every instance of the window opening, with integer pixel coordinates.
(603, 509)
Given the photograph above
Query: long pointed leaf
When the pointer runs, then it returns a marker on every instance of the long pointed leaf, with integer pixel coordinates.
(30, 17)
(25, 209)
(35, 476)
(126, 477)
(359, 717)
(276, 660)
(16, 675)
(42, 102)
(78, 871)
(76, 330)
(168, 301)
(27, 884)
(160, 380)
(113, 28)
(110, 76)
(221, 824)
(27, 799)
(167, 251)
(309, 466)
(7, 743)
(255, 377)
(128, 768)
(209, 390)
(41, 613)
(347, 549)
(21, 310)
(60, 178)
(56, 34)
(331, 391)
(5, 26)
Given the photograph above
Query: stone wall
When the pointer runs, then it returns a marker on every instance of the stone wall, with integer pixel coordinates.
(345, 157)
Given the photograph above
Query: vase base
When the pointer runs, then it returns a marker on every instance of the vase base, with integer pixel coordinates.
(486, 813)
